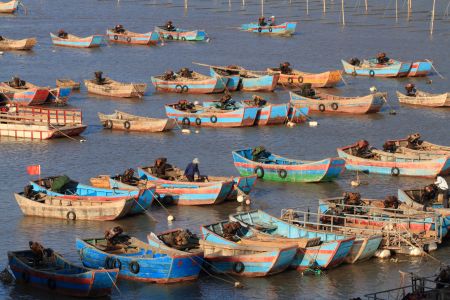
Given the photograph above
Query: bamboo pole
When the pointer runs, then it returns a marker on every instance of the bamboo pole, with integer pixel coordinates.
(324, 6)
(396, 11)
(243, 2)
(432, 17)
(185, 4)
(343, 13)
(307, 7)
(366, 4)
(262, 8)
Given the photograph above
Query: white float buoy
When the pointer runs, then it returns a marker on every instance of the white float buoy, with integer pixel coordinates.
(1, 52)
(430, 247)
(240, 199)
(237, 284)
(186, 131)
(248, 201)
(384, 253)
(196, 103)
(355, 183)
(414, 251)
(373, 89)
(197, 131)
(170, 218)
(313, 123)
(290, 124)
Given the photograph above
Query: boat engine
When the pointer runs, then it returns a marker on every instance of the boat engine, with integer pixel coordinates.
(355, 61)
(99, 77)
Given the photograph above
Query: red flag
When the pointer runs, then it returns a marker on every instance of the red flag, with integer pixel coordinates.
(34, 170)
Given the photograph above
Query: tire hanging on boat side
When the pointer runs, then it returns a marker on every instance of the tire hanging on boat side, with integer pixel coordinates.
(186, 121)
(259, 171)
(134, 267)
(198, 121)
(282, 173)
(321, 107)
(395, 171)
(213, 119)
(371, 73)
(127, 125)
(238, 267)
(108, 124)
(334, 106)
(178, 88)
(71, 216)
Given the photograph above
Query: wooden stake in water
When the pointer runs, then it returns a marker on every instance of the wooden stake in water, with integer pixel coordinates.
(343, 13)
(243, 2)
(432, 18)
(185, 4)
(262, 8)
(324, 6)
(366, 4)
(396, 11)
(307, 7)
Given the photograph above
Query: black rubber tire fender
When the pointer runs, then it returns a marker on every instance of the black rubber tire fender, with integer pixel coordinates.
(282, 173)
(238, 267)
(270, 29)
(127, 125)
(116, 37)
(213, 119)
(185, 89)
(186, 121)
(178, 88)
(322, 107)
(334, 106)
(108, 124)
(395, 171)
(71, 215)
(128, 39)
(170, 37)
(300, 79)
(290, 80)
(198, 121)
(134, 267)
(371, 73)
(117, 264)
(259, 29)
(259, 171)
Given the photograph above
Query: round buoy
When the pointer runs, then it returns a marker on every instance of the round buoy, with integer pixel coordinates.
(170, 218)
(248, 201)
(1, 52)
(196, 103)
(373, 89)
(82, 141)
(185, 131)
(237, 284)
(355, 183)
(384, 253)
(429, 81)
(313, 124)
(240, 199)
(290, 124)
(197, 131)
(430, 247)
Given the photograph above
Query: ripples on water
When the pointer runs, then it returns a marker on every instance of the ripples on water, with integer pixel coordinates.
(319, 45)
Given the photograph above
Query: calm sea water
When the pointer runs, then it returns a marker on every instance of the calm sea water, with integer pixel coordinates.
(318, 46)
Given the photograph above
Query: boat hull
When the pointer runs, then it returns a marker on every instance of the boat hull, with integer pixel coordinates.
(92, 41)
(287, 28)
(146, 39)
(182, 35)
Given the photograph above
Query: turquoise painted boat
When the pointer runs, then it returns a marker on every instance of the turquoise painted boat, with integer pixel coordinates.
(233, 80)
(330, 253)
(393, 68)
(74, 41)
(277, 168)
(54, 274)
(52, 187)
(287, 28)
(181, 34)
(139, 261)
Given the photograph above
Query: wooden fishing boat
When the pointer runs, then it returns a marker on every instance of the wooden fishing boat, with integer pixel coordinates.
(317, 80)
(250, 81)
(9, 7)
(63, 185)
(198, 84)
(10, 44)
(374, 213)
(185, 192)
(65, 82)
(55, 274)
(395, 164)
(393, 68)
(268, 113)
(181, 34)
(322, 102)
(74, 207)
(212, 117)
(366, 242)
(40, 123)
(413, 198)
(74, 41)
(278, 168)
(425, 99)
(58, 96)
(140, 261)
(124, 121)
(26, 94)
(114, 88)
(133, 38)
(241, 184)
(413, 143)
(287, 28)
(330, 253)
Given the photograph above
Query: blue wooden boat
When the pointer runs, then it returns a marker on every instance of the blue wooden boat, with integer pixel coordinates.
(237, 258)
(330, 253)
(140, 261)
(393, 68)
(74, 41)
(196, 84)
(55, 274)
(278, 168)
(181, 34)
(232, 79)
(143, 198)
(207, 117)
(286, 28)
(413, 198)
(59, 95)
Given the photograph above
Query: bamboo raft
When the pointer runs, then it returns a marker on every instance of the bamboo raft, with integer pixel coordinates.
(114, 88)
(124, 121)
(24, 44)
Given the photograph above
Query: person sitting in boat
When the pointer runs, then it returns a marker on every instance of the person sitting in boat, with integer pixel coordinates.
(262, 21)
(260, 154)
(414, 140)
(185, 72)
(192, 169)
(259, 101)
(161, 167)
(410, 90)
(428, 196)
(169, 26)
(272, 21)
(184, 105)
(363, 149)
(16, 82)
(119, 29)
(285, 68)
(389, 146)
(306, 90)
(115, 239)
(62, 34)
(99, 78)
(382, 59)
(355, 61)
(1, 38)
(442, 187)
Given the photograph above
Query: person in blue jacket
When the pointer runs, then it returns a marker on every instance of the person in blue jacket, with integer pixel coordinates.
(192, 169)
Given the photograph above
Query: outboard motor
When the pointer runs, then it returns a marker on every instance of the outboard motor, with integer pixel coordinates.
(355, 61)
(99, 77)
